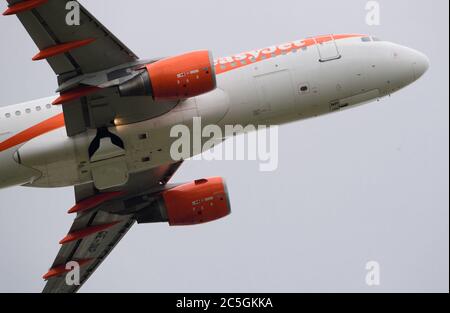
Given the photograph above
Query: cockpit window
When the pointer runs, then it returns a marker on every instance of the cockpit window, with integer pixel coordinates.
(366, 39)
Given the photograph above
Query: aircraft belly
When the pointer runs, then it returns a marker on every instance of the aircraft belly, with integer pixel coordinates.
(52, 154)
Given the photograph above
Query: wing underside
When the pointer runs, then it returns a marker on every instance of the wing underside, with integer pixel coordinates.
(96, 232)
(89, 61)
(88, 252)
(52, 23)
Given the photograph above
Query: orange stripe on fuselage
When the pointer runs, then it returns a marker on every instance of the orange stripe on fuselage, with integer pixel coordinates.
(226, 64)
(37, 130)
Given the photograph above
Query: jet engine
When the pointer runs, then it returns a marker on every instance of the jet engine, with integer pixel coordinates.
(198, 202)
(175, 78)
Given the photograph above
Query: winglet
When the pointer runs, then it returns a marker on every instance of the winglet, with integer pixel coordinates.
(23, 6)
(80, 234)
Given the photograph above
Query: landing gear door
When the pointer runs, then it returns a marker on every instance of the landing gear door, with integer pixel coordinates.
(328, 50)
(108, 164)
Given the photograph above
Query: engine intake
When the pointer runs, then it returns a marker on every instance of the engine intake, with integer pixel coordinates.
(175, 78)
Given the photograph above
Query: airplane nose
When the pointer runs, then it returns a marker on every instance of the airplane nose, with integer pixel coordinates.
(421, 64)
(407, 66)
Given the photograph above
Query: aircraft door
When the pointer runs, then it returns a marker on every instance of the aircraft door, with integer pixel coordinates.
(327, 47)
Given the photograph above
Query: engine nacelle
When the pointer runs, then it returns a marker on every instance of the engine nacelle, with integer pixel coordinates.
(175, 78)
(199, 202)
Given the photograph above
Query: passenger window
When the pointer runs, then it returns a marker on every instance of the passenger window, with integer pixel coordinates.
(18, 113)
(28, 111)
(38, 109)
(8, 115)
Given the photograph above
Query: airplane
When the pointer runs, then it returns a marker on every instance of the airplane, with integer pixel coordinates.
(107, 132)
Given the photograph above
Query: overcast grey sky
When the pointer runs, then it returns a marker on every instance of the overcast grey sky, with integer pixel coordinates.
(366, 184)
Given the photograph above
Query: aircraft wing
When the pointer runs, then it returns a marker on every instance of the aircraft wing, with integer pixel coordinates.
(53, 25)
(88, 252)
(101, 222)
(90, 63)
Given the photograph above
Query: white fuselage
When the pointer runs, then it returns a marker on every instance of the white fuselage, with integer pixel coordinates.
(275, 85)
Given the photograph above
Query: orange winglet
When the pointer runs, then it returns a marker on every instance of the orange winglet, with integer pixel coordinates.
(75, 94)
(86, 232)
(59, 270)
(94, 201)
(23, 6)
(61, 48)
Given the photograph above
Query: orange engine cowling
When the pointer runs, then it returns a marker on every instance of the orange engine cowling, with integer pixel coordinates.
(201, 201)
(175, 78)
